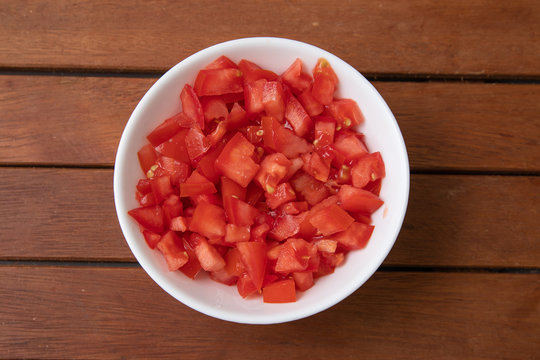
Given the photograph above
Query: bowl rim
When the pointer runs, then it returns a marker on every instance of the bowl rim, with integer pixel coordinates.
(186, 298)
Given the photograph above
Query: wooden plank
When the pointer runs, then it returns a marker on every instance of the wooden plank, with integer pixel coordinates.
(66, 312)
(481, 37)
(446, 126)
(488, 221)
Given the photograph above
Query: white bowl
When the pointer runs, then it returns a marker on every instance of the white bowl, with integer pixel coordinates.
(224, 302)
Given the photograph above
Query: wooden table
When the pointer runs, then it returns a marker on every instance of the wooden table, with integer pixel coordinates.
(462, 78)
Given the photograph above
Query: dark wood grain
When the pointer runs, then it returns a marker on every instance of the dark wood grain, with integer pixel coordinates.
(68, 214)
(105, 313)
(478, 37)
(68, 120)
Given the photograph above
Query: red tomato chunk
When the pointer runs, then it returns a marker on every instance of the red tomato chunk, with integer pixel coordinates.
(261, 180)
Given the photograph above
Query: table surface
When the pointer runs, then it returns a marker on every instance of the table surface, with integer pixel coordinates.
(463, 80)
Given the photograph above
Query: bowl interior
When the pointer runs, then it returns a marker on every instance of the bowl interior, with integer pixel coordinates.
(382, 134)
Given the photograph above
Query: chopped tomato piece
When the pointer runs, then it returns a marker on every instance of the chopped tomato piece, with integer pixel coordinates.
(161, 188)
(346, 112)
(151, 238)
(150, 218)
(354, 199)
(209, 258)
(323, 89)
(312, 190)
(231, 188)
(197, 144)
(196, 184)
(350, 146)
(173, 250)
(253, 72)
(222, 276)
(164, 132)
(331, 219)
(282, 193)
(254, 257)
(280, 139)
(368, 168)
(294, 207)
(192, 267)
(208, 220)
(303, 280)
(221, 62)
(297, 116)
(235, 160)
(296, 78)
(235, 233)
(273, 100)
(206, 165)
(317, 166)
(179, 223)
(178, 171)
(147, 157)
(245, 285)
(234, 264)
(191, 106)
(286, 226)
(218, 82)
(239, 212)
(175, 147)
(282, 291)
(253, 97)
(293, 256)
(214, 108)
(355, 237)
(310, 104)
(273, 169)
(172, 207)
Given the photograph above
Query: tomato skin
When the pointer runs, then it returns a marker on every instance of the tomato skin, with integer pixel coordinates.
(323, 89)
(191, 105)
(254, 258)
(208, 220)
(147, 157)
(235, 160)
(358, 200)
(331, 219)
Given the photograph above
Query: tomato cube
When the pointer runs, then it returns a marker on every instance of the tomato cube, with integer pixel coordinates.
(355, 237)
(150, 218)
(218, 82)
(173, 250)
(297, 116)
(208, 220)
(273, 100)
(283, 193)
(147, 157)
(354, 199)
(368, 168)
(206, 253)
(235, 160)
(164, 131)
(294, 77)
(191, 106)
(282, 291)
(331, 219)
(254, 258)
(346, 112)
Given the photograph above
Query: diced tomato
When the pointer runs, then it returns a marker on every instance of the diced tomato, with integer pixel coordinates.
(236, 118)
(173, 250)
(253, 72)
(172, 207)
(286, 226)
(218, 82)
(234, 264)
(179, 223)
(310, 104)
(297, 116)
(206, 164)
(208, 220)
(221, 62)
(355, 237)
(280, 139)
(164, 131)
(231, 188)
(151, 238)
(273, 100)
(214, 108)
(253, 97)
(259, 232)
(161, 188)
(283, 193)
(150, 218)
(191, 105)
(206, 253)
(178, 171)
(323, 89)
(323, 67)
(235, 233)
(316, 166)
(272, 170)
(147, 157)
(245, 285)
(294, 207)
(303, 280)
(346, 112)
(146, 200)
(282, 291)
(239, 212)
(293, 256)
(354, 199)
(196, 184)
(254, 257)
(350, 146)
(312, 190)
(235, 160)
(296, 78)
(143, 186)
(326, 245)
(368, 168)
(374, 186)
(218, 133)
(196, 143)
(331, 219)
(223, 277)
(192, 267)
(325, 127)
(175, 147)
